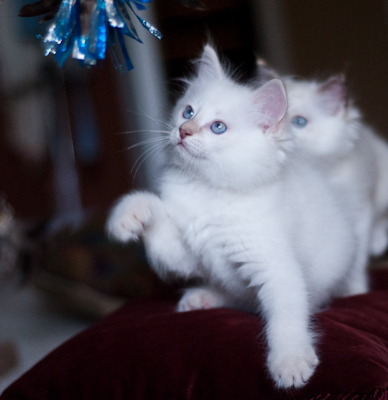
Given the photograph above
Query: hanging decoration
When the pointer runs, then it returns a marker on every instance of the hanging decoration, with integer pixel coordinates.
(85, 29)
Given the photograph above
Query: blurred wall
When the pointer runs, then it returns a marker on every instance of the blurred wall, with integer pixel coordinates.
(351, 36)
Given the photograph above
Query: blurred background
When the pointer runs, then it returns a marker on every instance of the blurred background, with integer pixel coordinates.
(65, 135)
(62, 146)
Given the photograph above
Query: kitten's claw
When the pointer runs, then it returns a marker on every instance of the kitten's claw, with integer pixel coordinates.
(129, 218)
(292, 370)
(200, 299)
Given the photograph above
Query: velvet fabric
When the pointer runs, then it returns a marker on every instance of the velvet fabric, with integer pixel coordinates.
(147, 351)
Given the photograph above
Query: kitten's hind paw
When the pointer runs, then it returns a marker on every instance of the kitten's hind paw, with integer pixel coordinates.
(292, 369)
(200, 298)
(129, 217)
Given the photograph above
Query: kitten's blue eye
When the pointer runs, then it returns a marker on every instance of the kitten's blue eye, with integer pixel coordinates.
(218, 127)
(188, 113)
(299, 122)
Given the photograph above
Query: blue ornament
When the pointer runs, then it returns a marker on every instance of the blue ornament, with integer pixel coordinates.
(86, 28)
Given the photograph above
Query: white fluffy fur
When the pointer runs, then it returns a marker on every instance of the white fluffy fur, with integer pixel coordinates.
(243, 212)
(355, 158)
(379, 239)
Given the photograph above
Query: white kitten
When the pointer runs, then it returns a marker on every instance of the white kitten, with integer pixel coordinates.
(238, 209)
(329, 127)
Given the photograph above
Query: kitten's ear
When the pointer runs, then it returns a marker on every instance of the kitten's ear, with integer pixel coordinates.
(271, 104)
(209, 64)
(334, 94)
(264, 72)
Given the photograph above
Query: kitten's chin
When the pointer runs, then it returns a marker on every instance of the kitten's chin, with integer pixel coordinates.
(181, 147)
(183, 152)
(187, 152)
(181, 155)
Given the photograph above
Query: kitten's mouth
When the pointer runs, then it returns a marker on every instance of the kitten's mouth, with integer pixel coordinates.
(181, 144)
(188, 150)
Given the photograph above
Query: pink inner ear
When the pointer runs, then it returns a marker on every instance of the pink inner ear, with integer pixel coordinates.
(271, 101)
(333, 94)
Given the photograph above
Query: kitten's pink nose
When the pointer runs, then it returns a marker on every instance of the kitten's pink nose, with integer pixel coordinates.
(183, 132)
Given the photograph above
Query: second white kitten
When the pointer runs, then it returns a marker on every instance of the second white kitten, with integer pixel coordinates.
(329, 127)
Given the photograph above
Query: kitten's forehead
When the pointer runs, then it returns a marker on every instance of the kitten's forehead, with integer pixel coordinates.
(218, 97)
(303, 95)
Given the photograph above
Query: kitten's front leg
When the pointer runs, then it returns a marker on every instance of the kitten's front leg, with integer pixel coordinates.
(143, 215)
(283, 302)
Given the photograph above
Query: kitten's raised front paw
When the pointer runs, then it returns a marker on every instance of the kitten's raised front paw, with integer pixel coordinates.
(200, 298)
(292, 369)
(129, 217)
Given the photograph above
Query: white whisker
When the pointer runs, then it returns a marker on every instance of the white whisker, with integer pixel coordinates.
(151, 118)
(153, 151)
(144, 131)
(145, 154)
(149, 141)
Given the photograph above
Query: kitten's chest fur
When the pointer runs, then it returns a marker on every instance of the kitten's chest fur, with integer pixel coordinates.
(212, 219)
(221, 228)
(290, 219)
(197, 206)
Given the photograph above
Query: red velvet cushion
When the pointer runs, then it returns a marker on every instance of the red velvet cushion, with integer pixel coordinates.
(147, 351)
